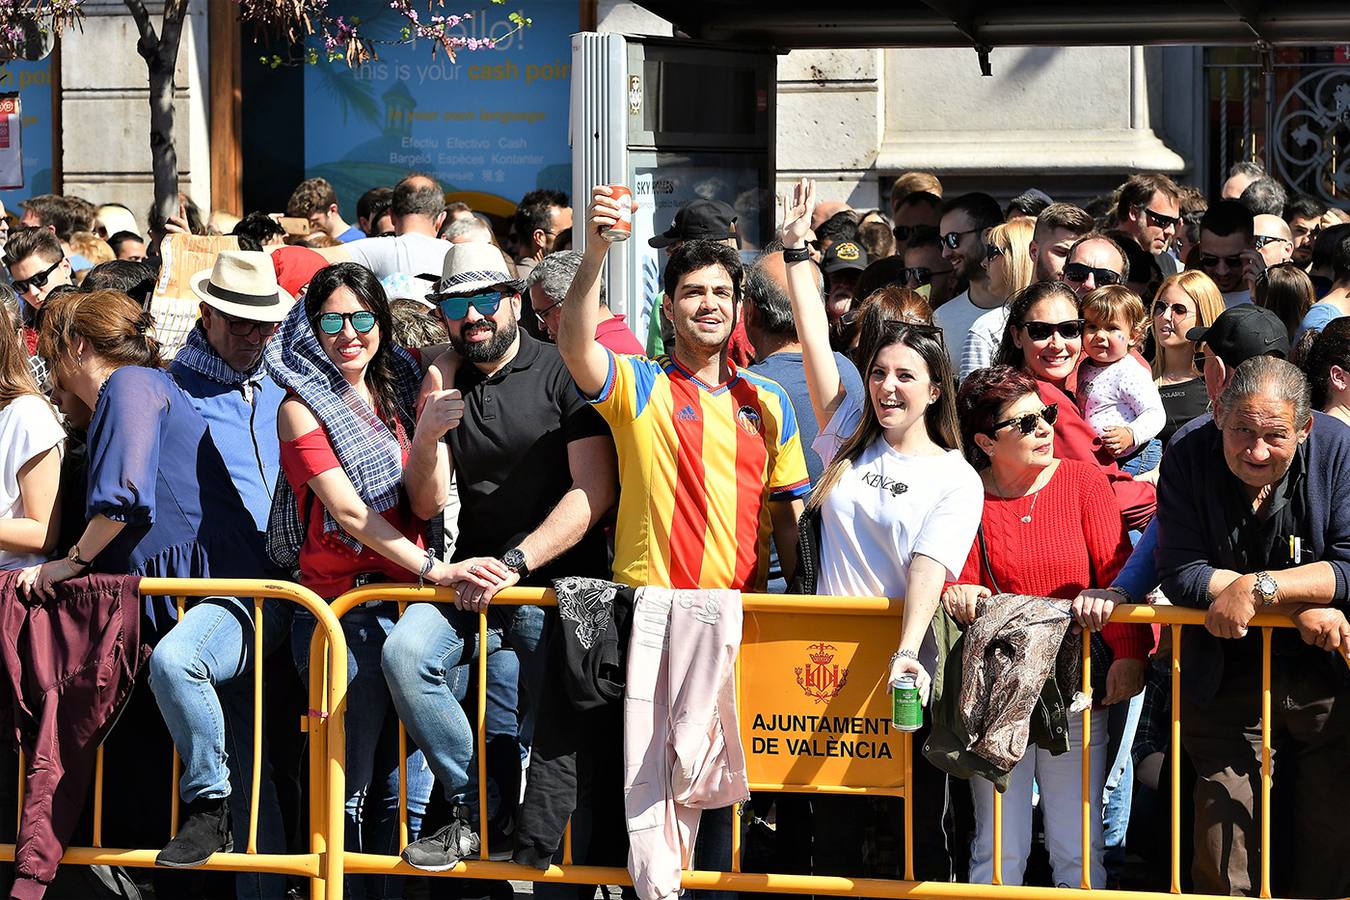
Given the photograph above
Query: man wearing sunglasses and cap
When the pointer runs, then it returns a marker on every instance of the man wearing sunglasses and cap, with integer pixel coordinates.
(211, 649)
(534, 470)
(843, 265)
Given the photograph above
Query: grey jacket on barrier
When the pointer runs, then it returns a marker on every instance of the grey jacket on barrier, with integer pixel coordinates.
(1013, 693)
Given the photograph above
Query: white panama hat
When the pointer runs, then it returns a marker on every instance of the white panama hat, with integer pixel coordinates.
(472, 267)
(243, 284)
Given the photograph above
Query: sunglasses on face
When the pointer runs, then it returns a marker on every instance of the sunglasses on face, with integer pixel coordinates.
(37, 279)
(921, 275)
(458, 307)
(1177, 309)
(1159, 220)
(1026, 423)
(1261, 240)
(1040, 331)
(244, 327)
(1079, 272)
(906, 233)
(992, 250)
(1207, 261)
(331, 323)
(539, 314)
(952, 238)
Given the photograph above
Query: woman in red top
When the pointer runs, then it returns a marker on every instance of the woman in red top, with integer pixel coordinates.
(1048, 529)
(344, 442)
(1044, 338)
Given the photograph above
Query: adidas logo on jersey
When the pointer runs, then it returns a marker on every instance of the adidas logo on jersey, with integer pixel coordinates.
(687, 414)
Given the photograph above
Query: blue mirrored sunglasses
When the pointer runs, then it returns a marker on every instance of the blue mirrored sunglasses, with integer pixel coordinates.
(458, 307)
(331, 322)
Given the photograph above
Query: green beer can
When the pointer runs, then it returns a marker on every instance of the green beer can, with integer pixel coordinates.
(906, 708)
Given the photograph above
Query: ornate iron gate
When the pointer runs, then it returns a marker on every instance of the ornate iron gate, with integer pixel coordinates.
(1290, 112)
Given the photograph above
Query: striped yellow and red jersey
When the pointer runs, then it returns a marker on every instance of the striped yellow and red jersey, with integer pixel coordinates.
(698, 466)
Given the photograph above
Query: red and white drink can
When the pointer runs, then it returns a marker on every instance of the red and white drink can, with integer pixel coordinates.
(621, 230)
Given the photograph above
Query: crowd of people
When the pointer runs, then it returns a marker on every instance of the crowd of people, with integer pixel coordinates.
(873, 404)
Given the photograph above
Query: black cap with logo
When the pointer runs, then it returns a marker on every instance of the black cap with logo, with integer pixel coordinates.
(699, 220)
(1242, 333)
(842, 255)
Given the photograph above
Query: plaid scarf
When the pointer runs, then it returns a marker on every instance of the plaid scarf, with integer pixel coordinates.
(370, 454)
(198, 355)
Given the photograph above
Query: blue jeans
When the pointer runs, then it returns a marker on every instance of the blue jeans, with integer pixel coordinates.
(199, 674)
(428, 666)
(1121, 723)
(1145, 459)
(372, 746)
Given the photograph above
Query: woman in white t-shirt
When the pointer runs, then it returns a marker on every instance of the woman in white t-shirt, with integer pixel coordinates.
(898, 503)
(31, 442)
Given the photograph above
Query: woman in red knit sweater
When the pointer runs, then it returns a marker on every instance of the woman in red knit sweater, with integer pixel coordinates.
(1044, 338)
(1050, 528)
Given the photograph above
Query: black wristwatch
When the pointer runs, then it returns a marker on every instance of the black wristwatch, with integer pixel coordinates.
(514, 559)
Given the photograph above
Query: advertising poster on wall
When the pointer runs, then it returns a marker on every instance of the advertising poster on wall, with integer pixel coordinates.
(492, 125)
(32, 82)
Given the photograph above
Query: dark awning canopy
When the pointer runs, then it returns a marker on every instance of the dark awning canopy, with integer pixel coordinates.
(796, 24)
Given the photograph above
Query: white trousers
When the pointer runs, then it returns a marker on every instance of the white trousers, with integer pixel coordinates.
(1060, 782)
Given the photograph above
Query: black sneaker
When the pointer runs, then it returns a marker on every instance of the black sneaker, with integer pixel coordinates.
(501, 838)
(446, 847)
(205, 831)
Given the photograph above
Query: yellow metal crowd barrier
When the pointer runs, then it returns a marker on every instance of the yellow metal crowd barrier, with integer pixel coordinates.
(837, 649)
(313, 865)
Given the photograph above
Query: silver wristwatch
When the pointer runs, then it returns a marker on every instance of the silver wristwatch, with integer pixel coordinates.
(1265, 588)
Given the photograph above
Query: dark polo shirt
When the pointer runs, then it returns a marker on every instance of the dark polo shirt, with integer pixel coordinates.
(1205, 523)
(510, 457)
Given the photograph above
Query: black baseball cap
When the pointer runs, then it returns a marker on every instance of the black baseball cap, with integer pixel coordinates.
(1242, 333)
(842, 255)
(699, 220)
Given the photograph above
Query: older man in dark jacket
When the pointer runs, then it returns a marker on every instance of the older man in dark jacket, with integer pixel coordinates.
(1253, 516)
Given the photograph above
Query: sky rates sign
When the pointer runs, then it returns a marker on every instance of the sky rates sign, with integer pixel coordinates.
(492, 123)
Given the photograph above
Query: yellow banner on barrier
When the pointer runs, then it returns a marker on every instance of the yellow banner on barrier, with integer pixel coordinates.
(815, 710)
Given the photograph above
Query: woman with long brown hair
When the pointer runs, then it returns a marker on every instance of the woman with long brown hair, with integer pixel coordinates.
(1044, 338)
(31, 443)
(895, 512)
(345, 438)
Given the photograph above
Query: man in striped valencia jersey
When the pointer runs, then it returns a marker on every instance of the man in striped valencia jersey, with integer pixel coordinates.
(710, 459)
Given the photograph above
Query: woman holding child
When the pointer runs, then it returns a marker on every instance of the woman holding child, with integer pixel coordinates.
(1045, 339)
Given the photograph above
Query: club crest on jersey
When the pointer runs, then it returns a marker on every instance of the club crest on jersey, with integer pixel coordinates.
(748, 418)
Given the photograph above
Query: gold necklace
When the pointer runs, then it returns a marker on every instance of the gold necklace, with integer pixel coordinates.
(1025, 520)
